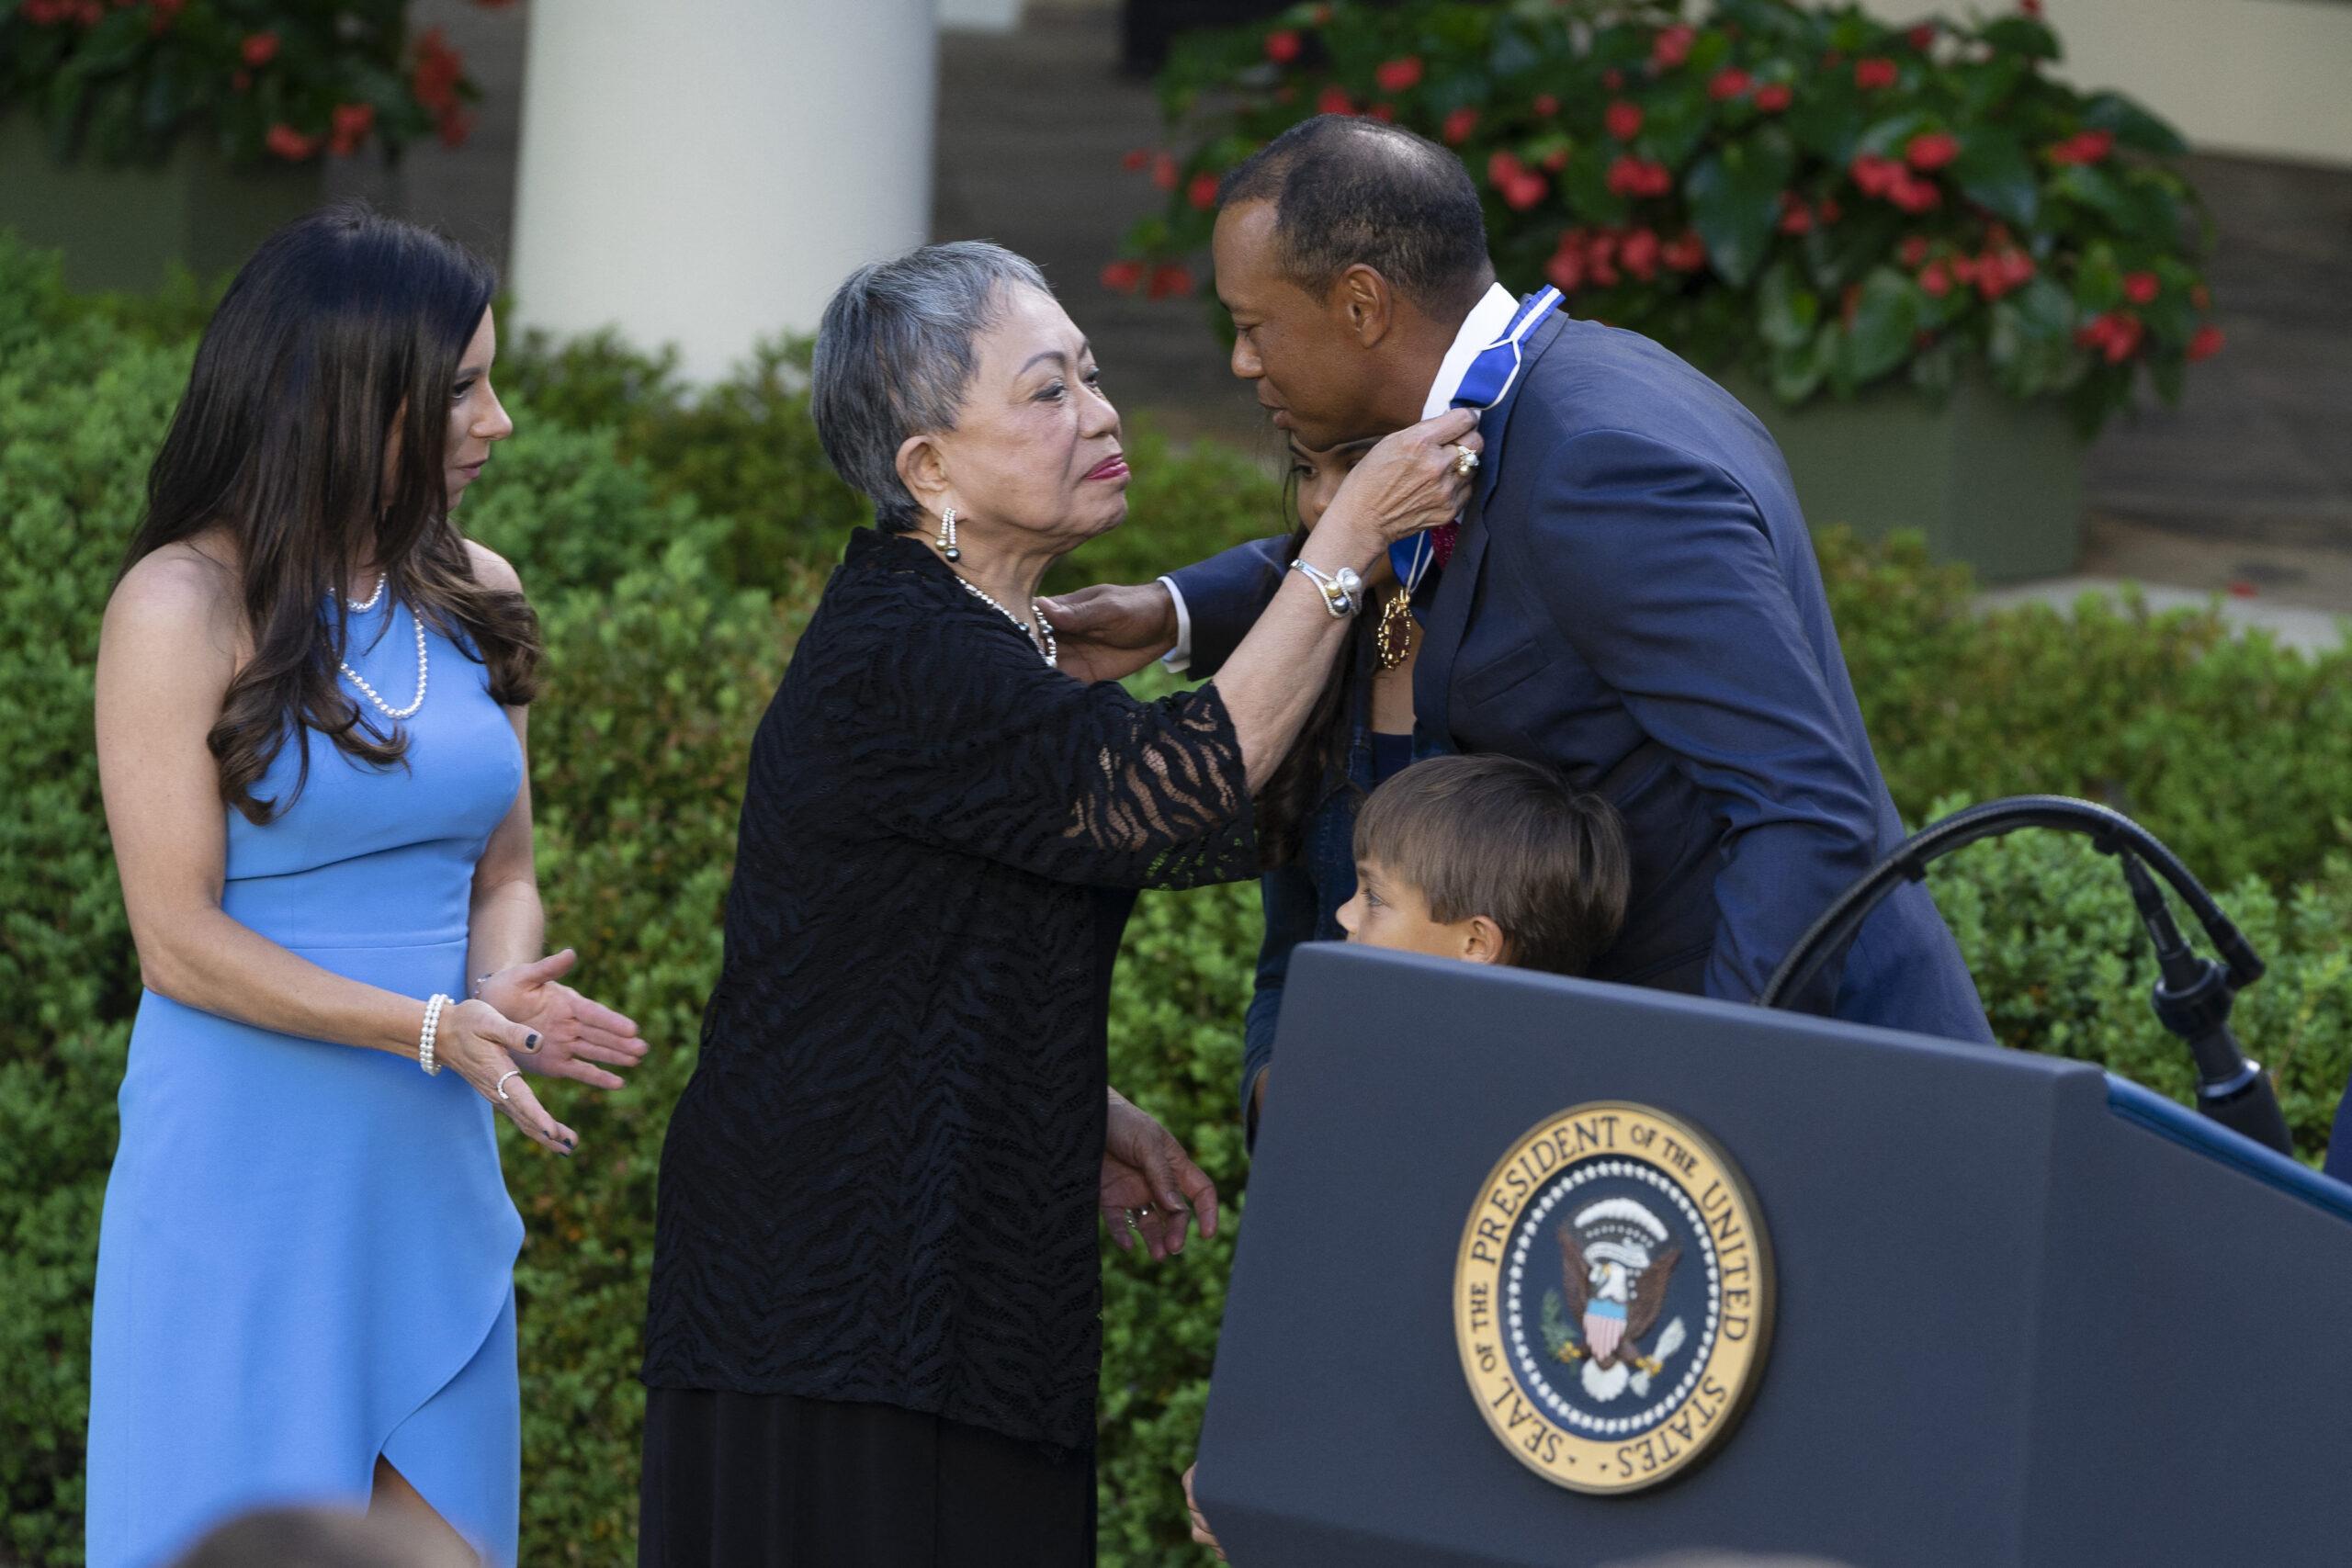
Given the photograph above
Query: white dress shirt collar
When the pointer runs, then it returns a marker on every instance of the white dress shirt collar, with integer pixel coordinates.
(1487, 321)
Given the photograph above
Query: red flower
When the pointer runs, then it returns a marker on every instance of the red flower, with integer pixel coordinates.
(1565, 269)
(2205, 344)
(1624, 118)
(1630, 176)
(1556, 159)
(455, 127)
(1932, 151)
(1875, 73)
(1135, 159)
(2084, 147)
(1773, 97)
(1613, 80)
(1601, 260)
(351, 124)
(1458, 125)
(1964, 269)
(1123, 276)
(438, 69)
(1915, 196)
(1334, 99)
(2030, 8)
(1828, 211)
(1936, 278)
(1640, 253)
(259, 49)
(1282, 47)
(1519, 186)
(1170, 279)
(1923, 36)
(1163, 171)
(1673, 46)
(1400, 76)
(1794, 217)
(1383, 112)
(2141, 288)
(2117, 335)
(289, 144)
(1914, 251)
(1546, 106)
(1875, 176)
(1201, 192)
(1729, 82)
(1688, 254)
(1997, 271)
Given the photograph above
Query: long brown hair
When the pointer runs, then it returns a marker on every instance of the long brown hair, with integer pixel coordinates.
(344, 323)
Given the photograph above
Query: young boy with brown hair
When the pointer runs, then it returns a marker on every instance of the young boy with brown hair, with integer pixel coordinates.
(1489, 859)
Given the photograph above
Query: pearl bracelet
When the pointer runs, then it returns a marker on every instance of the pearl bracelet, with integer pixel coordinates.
(432, 1025)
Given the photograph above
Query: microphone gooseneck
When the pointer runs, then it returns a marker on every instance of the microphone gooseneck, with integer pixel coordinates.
(2193, 995)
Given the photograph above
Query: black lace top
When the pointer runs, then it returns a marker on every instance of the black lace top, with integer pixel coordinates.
(880, 1183)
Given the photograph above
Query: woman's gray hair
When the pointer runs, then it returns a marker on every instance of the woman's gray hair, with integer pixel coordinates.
(894, 356)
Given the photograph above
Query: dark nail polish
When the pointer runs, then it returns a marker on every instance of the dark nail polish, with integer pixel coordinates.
(530, 1043)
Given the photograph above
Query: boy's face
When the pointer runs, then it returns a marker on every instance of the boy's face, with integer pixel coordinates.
(1389, 912)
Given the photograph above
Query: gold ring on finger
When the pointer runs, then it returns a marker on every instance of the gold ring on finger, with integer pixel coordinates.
(1464, 459)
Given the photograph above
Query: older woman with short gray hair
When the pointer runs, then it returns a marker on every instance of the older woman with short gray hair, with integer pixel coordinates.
(874, 1327)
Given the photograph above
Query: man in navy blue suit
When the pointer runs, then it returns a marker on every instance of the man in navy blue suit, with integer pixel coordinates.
(1631, 597)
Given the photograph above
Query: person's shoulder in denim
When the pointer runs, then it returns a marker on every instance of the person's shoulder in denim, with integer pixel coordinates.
(1302, 898)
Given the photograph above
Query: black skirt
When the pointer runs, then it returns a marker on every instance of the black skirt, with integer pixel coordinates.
(776, 1480)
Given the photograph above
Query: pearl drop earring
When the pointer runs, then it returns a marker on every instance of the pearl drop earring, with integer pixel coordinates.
(947, 535)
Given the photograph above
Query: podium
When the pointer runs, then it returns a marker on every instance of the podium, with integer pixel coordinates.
(2019, 1311)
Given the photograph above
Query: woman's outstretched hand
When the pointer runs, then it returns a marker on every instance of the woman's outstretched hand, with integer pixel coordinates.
(1150, 1186)
(1111, 630)
(578, 1037)
(487, 1049)
(1411, 480)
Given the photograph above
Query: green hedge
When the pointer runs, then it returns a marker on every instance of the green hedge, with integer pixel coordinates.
(673, 544)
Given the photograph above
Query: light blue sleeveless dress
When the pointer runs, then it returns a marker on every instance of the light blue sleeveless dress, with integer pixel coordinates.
(307, 1255)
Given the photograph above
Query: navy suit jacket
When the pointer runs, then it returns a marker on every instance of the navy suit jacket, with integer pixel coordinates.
(1633, 599)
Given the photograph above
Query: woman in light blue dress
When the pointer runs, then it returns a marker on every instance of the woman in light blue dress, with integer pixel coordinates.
(310, 720)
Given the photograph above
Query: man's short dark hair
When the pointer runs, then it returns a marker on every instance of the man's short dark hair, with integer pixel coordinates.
(1509, 839)
(1350, 191)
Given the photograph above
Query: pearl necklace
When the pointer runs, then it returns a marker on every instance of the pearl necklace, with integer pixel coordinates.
(356, 679)
(1044, 643)
(363, 605)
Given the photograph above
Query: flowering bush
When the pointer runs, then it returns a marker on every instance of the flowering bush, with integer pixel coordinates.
(1813, 194)
(269, 80)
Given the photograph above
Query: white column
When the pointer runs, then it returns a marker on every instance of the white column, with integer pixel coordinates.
(705, 173)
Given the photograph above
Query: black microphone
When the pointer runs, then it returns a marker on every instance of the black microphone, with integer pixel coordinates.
(2193, 995)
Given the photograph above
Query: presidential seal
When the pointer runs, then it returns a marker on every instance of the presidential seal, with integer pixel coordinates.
(1612, 1298)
